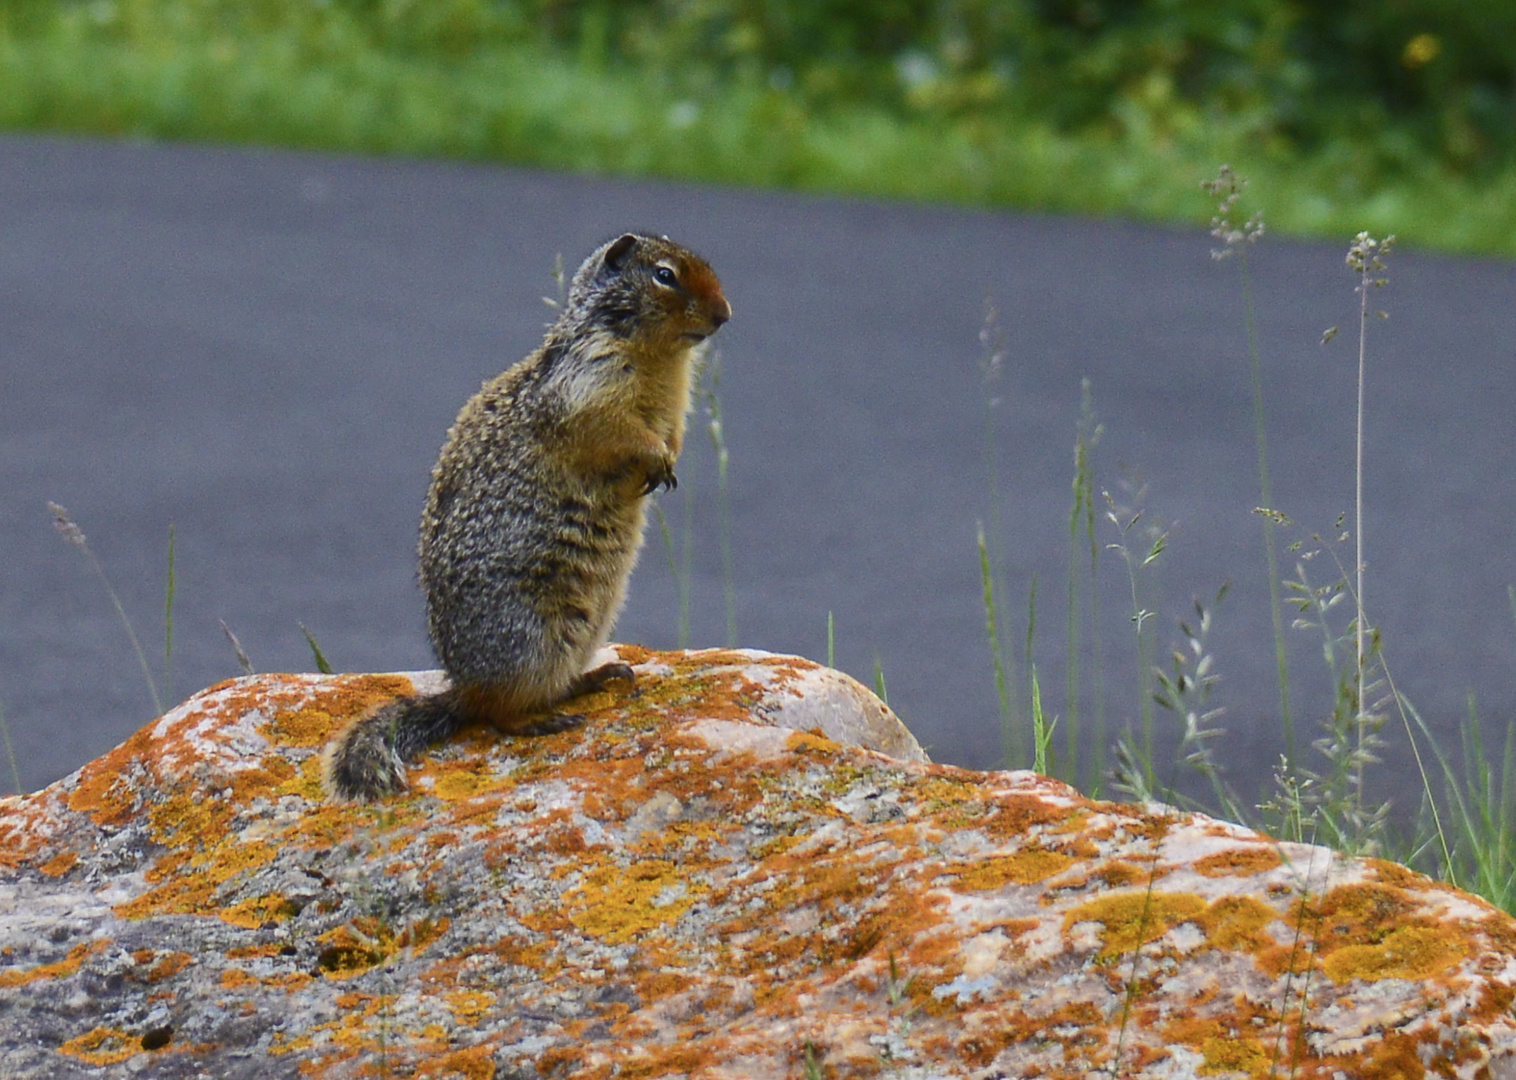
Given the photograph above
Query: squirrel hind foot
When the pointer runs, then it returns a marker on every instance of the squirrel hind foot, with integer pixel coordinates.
(509, 719)
(615, 677)
(551, 724)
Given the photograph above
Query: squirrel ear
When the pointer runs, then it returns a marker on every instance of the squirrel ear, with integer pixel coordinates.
(618, 250)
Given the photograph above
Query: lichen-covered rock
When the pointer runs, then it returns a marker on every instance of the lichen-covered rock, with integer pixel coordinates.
(702, 882)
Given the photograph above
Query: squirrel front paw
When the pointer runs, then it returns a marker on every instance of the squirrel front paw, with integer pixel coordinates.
(660, 476)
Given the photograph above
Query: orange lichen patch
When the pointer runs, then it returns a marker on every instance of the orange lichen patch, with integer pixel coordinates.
(1407, 952)
(329, 825)
(194, 892)
(1237, 923)
(337, 702)
(59, 864)
(1225, 1044)
(254, 952)
(682, 839)
(263, 781)
(807, 877)
(59, 970)
(465, 778)
(1076, 1026)
(1356, 914)
(653, 985)
(17, 841)
(295, 980)
(1016, 815)
(233, 978)
(1404, 878)
(634, 654)
(475, 1063)
(167, 965)
(102, 1046)
(106, 794)
(724, 693)
(619, 904)
(646, 1062)
(347, 1037)
(1024, 868)
(304, 781)
(469, 1006)
(810, 742)
(1117, 873)
(301, 727)
(420, 934)
(186, 819)
(258, 911)
(1136, 918)
(355, 947)
(1014, 928)
(1241, 861)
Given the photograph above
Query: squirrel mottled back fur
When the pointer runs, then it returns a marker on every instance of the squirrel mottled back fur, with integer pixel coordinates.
(535, 513)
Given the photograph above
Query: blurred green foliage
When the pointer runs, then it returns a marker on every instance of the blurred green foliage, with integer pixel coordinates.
(1410, 76)
(1393, 115)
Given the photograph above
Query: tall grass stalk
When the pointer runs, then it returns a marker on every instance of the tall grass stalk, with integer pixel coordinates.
(1185, 690)
(1010, 733)
(1236, 240)
(1369, 265)
(717, 431)
(168, 623)
(1087, 434)
(75, 536)
(680, 571)
(242, 659)
(1486, 818)
(10, 752)
(321, 662)
(1126, 519)
(1031, 623)
(991, 365)
(1042, 732)
(1350, 737)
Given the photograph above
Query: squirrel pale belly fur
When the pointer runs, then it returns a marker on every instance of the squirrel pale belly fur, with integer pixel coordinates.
(536, 508)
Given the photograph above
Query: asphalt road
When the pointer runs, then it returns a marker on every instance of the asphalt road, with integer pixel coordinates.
(264, 349)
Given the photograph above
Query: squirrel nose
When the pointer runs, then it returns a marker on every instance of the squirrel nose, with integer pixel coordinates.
(722, 314)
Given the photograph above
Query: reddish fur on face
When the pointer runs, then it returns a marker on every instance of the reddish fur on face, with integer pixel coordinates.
(701, 283)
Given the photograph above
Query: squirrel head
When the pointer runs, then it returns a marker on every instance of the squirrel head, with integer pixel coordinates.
(650, 289)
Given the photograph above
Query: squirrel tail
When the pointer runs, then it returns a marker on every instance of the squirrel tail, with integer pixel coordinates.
(367, 760)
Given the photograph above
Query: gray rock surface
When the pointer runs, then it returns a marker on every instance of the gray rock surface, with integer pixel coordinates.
(711, 878)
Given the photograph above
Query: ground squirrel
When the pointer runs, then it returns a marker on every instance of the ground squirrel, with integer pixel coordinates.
(536, 508)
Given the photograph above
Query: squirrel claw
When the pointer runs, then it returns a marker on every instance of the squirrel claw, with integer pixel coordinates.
(551, 724)
(666, 480)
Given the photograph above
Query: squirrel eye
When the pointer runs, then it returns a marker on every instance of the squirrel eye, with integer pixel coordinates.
(665, 276)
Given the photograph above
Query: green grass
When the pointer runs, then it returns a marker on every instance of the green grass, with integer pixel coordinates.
(315, 76)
